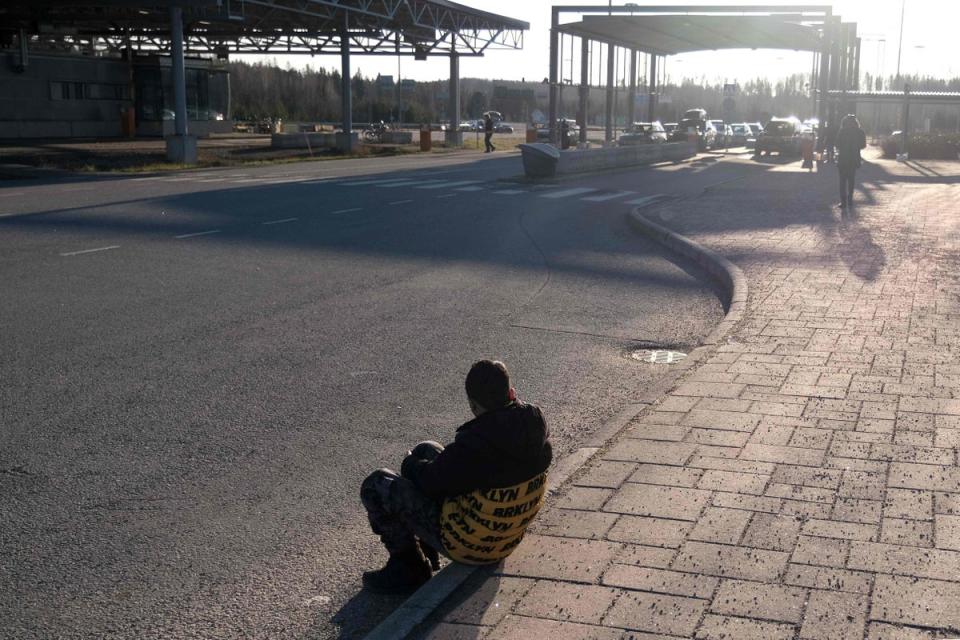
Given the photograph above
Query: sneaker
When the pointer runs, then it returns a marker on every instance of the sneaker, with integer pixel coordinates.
(403, 573)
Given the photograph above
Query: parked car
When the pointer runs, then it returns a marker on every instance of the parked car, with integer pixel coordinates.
(669, 127)
(781, 135)
(705, 131)
(740, 134)
(502, 127)
(571, 127)
(644, 133)
(695, 114)
(756, 128)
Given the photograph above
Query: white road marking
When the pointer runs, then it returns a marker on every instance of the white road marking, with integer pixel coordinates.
(77, 253)
(198, 233)
(348, 210)
(609, 196)
(565, 193)
(399, 202)
(357, 183)
(449, 195)
(405, 183)
(510, 192)
(10, 194)
(279, 221)
(444, 185)
(646, 199)
(469, 188)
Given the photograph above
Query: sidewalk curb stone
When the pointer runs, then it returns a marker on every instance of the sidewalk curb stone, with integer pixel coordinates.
(418, 607)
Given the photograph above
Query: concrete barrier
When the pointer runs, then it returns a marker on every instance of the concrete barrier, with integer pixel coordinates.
(325, 140)
(586, 160)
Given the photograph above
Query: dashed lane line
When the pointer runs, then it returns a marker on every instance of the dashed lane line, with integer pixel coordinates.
(566, 193)
(77, 253)
(10, 194)
(473, 188)
(377, 181)
(446, 184)
(448, 195)
(198, 233)
(348, 210)
(285, 220)
(510, 192)
(646, 199)
(609, 196)
(399, 202)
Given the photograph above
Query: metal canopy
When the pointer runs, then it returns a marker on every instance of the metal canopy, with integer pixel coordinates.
(371, 27)
(673, 34)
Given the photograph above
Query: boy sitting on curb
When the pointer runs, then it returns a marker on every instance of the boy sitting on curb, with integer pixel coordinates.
(471, 501)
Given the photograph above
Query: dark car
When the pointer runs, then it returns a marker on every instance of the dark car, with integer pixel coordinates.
(740, 134)
(781, 135)
(704, 130)
(644, 133)
(502, 127)
(756, 128)
(669, 127)
(570, 126)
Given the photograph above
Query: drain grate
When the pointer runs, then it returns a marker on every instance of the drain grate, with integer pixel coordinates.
(658, 356)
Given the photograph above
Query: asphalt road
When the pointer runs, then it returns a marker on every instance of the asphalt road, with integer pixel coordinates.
(199, 369)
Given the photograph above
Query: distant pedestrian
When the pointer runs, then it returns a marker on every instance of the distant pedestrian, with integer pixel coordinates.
(830, 141)
(850, 140)
(471, 501)
(488, 133)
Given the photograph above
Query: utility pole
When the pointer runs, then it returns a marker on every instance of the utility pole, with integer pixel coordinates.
(903, 8)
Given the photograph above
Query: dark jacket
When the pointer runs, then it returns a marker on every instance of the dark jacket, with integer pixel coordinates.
(499, 448)
(850, 140)
(488, 125)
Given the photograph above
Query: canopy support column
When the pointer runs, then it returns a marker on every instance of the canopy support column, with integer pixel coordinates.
(345, 142)
(608, 116)
(554, 63)
(584, 88)
(652, 97)
(453, 135)
(181, 147)
(632, 93)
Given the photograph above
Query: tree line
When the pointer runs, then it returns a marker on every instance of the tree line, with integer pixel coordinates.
(312, 94)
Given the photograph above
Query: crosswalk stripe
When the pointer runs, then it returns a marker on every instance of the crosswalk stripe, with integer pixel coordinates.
(445, 185)
(646, 199)
(406, 183)
(609, 196)
(568, 192)
(357, 183)
(473, 188)
(510, 192)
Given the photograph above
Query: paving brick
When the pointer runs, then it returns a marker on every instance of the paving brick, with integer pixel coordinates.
(666, 475)
(807, 476)
(925, 603)
(772, 434)
(733, 481)
(833, 615)
(659, 417)
(863, 484)
(728, 628)
(924, 476)
(908, 503)
(937, 564)
(759, 600)
(947, 532)
(777, 408)
(915, 533)
(634, 450)
(583, 498)
(819, 510)
(836, 529)
(857, 510)
(724, 420)
(637, 555)
(565, 601)
(946, 503)
(907, 453)
(723, 404)
(492, 600)
(828, 552)
(660, 581)
(717, 438)
(570, 523)
(750, 503)
(768, 531)
(720, 525)
(606, 474)
(730, 562)
(660, 502)
(524, 628)
(665, 432)
(709, 389)
(656, 613)
(829, 578)
(796, 492)
(653, 532)
(787, 455)
(884, 631)
(559, 558)
(853, 464)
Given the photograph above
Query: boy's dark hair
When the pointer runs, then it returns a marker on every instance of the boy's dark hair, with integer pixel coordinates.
(488, 384)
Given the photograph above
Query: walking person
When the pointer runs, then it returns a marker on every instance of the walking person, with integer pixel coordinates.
(471, 500)
(850, 140)
(488, 133)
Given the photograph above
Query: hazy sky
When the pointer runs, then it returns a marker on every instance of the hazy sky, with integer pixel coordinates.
(929, 45)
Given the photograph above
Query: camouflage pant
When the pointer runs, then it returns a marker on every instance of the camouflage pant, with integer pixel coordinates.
(399, 512)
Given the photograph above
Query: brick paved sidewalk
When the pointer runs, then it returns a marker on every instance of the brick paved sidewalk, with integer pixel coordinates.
(802, 482)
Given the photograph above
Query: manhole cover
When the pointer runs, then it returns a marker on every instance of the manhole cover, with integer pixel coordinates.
(657, 356)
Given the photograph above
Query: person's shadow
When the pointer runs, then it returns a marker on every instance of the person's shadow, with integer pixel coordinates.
(857, 248)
